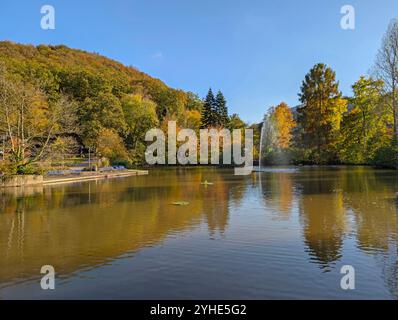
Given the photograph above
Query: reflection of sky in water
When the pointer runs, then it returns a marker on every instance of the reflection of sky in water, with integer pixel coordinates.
(283, 233)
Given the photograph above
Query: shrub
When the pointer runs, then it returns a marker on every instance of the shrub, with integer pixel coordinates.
(387, 157)
(301, 156)
(110, 145)
(29, 170)
(121, 162)
(278, 157)
(6, 168)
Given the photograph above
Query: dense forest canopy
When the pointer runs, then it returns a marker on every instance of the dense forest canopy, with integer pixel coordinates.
(110, 106)
(83, 75)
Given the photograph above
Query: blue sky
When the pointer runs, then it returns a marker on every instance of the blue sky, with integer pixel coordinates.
(256, 51)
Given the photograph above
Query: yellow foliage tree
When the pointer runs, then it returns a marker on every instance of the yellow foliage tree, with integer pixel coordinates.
(321, 113)
(111, 146)
(285, 123)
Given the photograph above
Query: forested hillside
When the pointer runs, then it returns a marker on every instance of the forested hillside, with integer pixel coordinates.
(86, 75)
(74, 99)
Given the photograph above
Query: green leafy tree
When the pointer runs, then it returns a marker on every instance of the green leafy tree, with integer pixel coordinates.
(235, 122)
(364, 127)
(140, 115)
(194, 102)
(103, 111)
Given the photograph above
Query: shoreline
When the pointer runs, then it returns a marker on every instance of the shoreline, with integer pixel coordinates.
(92, 176)
(27, 181)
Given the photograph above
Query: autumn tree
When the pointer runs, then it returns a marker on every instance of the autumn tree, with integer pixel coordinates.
(364, 127)
(235, 122)
(284, 123)
(194, 102)
(62, 148)
(321, 113)
(386, 68)
(191, 119)
(110, 145)
(29, 121)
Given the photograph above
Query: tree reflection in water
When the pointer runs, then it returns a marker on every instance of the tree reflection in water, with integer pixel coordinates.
(86, 225)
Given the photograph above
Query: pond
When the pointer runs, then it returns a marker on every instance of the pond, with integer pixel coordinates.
(278, 234)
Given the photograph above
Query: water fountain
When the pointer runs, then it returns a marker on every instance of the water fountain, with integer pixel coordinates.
(269, 143)
(261, 146)
(268, 138)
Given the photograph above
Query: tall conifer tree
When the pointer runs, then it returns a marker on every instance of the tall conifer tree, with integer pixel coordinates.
(321, 113)
(221, 109)
(208, 112)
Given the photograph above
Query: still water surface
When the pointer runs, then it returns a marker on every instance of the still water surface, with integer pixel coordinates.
(276, 234)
